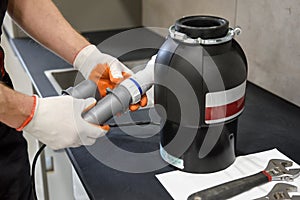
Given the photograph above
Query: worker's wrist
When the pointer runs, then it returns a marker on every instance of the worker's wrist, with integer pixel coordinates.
(81, 53)
(87, 59)
(2, 102)
(28, 112)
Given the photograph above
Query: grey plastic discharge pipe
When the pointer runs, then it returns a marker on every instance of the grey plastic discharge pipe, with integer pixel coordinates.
(83, 90)
(118, 100)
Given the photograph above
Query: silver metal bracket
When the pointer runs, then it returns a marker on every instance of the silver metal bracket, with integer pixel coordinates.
(186, 39)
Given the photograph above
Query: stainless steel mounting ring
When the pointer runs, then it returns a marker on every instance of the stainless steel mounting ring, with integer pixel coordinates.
(186, 39)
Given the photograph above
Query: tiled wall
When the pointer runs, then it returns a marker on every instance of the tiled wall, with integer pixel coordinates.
(270, 38)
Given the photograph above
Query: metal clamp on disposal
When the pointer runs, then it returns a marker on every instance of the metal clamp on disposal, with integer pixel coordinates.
(186, 39)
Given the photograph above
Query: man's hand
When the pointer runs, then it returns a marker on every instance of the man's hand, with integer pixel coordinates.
(90, 57)
(143, 102)
(57, 122)
(105, 70)
(103, 77)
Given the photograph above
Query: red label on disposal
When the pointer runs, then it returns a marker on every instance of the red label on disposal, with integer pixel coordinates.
(224, 105)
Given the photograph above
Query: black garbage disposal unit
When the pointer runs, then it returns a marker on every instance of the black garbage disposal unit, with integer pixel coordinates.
(200, 82)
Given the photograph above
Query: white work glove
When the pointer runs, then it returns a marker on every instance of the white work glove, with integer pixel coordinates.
(57, 122)
(90, 56)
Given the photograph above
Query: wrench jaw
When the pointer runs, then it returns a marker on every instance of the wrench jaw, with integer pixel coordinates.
(277, 169)
(281, 192)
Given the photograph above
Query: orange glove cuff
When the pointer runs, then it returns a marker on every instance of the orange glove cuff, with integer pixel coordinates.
(29, 118)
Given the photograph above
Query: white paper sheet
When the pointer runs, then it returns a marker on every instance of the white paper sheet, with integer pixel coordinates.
(181, 184)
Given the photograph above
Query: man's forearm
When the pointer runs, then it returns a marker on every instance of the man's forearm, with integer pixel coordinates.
(15, 107)
(44, 22)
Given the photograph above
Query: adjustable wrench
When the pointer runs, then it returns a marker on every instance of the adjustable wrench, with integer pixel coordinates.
(275, 171)
(281, 192)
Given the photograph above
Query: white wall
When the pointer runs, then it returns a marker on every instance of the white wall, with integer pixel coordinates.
(93, 15)
(271, 39)
(270, 36)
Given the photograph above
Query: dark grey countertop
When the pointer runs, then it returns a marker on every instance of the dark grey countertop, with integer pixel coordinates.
(267, 122)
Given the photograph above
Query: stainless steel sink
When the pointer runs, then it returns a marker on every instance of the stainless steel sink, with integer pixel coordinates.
(62, 79)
